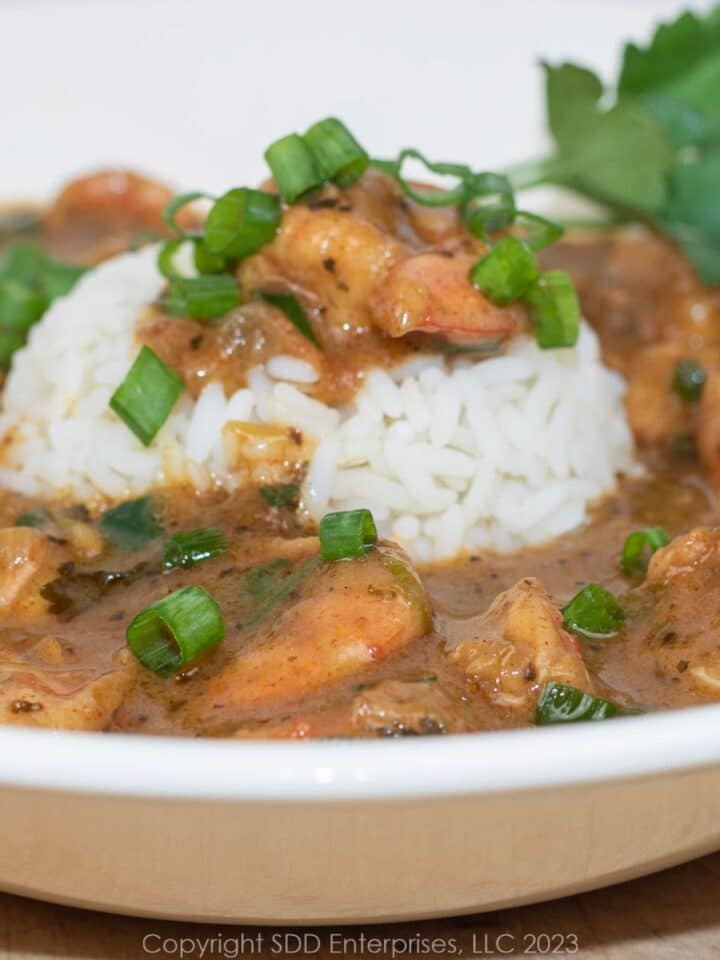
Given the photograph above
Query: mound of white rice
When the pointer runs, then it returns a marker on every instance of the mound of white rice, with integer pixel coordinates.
(448, 455)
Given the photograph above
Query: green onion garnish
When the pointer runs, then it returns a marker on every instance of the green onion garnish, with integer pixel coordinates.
(166, 257)
(346, 535)
(205, 261)
(169, 634)
(204, 298)
(506, 272)
(638, 547)
(174, 206)
(281, 495)
(541, 233)
(561, 703)
(131, 525)
(556, 310)
(457, 194)
(688, 381)
(489, 204)
(193, 546)
(339, 155)
(145, 398)
(593, 612)
(242, 221)
(294, 167)
(290, 306)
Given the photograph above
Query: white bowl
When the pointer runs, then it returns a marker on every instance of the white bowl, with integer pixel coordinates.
(322, 832)
(332, 832)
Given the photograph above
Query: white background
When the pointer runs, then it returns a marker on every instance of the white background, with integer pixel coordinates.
(193, 90)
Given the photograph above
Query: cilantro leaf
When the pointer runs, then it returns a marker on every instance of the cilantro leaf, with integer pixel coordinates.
(620, 155)
(649, 149)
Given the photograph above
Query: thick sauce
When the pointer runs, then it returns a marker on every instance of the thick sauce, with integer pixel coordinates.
(63, 657)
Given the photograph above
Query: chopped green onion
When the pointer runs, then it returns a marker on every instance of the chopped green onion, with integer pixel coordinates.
(505, 273)
(281, 495)
(638, 546)
(541, 233)
(145, 398)
(561, 703)
(346, 535)
(131, 525)
(290, 306)
(688, 381)
(429, 198)
(204, 298)
(38, 517)
(166, 258)
(294, 167)
(593, 612)
(205, 261)
(193, 546)
(241, 222)
(174, 206)
(9, 344)
(274, 595)
(339, 155)
(489, 204)
(20, 307)
(169, 634)
(556, 310)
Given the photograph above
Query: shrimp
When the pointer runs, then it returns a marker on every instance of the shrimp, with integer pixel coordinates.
(431, 293)
(96, 216)
(516, 647)
(46, 690)
(28, 559)
(673, 630)
(372, 258)
(345, 617)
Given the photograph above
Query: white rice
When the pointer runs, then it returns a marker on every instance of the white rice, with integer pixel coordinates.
(449, 455)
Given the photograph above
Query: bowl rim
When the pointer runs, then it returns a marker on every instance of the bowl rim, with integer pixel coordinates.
(131, 765)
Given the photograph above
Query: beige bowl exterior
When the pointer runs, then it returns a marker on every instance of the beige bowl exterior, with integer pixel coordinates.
(364, 860)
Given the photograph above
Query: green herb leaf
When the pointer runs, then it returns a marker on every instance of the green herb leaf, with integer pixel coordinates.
(131, 525)
(281, 495)
(270, 585)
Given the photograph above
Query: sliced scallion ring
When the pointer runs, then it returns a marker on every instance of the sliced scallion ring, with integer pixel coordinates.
(346, 535)
(169, 634)
(193, 546)
(489, 204)
(562, 703)
(241, 222)
(593, 612)
(506, 272)
(204, 298)
(174, 206)
(556, 310)
(147, 395)
(170, 256)
(541, 232)
(429, 198)
(339, 155)
(638, 547)
(294, 167)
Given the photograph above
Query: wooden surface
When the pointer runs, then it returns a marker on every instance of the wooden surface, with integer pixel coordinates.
(673, 915)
